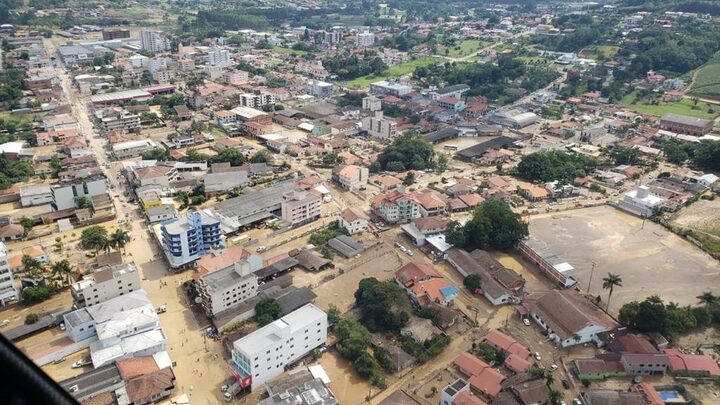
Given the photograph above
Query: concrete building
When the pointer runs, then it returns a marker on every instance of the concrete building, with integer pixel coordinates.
(35, 194)
(231, 284)
(389, 88)
(65, 193)
(219, 57)
(257, 99)
(108, 35)
(396, 207)
(371, 103)
(318, 88)
(365, 39)
(454, 91)
(187, 239)
(353, 220)
(300, 206)
(265, 353)
(380, 127)
(128, 149)
(116, 119)
(350, 177)
(641, 202)
(105, 284)
(154, 41)
(683, 124)
(7, 286)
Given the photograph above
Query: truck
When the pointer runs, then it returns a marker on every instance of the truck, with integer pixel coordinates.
(231, 391)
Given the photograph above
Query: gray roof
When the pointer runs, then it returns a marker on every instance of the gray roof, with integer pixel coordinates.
(311, 260)
(685, 120)
(294, 299)
(45, 321)
(480, 148)
(254, 201)
(223, 278)
(441, 135)
(452, 89)
(160, 210)
(610, 397)
(277, 267)
(78, 317)
(346, 245)
(94, 382)
(299, 388)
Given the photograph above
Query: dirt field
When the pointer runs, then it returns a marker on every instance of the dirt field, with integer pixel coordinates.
(703, 215)
(649, 259)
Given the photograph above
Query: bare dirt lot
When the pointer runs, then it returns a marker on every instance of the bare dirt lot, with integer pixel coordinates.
(703, 215)
(650, 259)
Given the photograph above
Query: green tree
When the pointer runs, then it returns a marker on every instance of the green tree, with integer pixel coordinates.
(31, 318)
(472, 282)
(609, 283)
(409, 179)
(384, 305)
(261, 156)
(82, 202)
(554, 165)
(266, 311)
(333, 315)
(27, 224)
(651, 315)
(95, 237)
(708, 298)
(493, 226)
(62, 270)
(30, 264)
(442, 163)
(118, 239)
(408, 151)
(158, 153)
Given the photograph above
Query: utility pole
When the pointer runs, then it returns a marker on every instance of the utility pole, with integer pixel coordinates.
(592, 271)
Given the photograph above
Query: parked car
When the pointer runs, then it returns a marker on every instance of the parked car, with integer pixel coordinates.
(161, 309)
(553, 367)
(566, 384)
(537, 356)
(62, 326)
(526, 321)
(4, 323)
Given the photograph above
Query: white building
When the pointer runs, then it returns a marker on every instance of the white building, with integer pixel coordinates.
(7, 287)
(65, 193)
(163, 76)
(230, 285)
(320, 89)
(35, 194)
(380, 127)
(299, 206)
(128, 149)
(371, 103)
(257, 100)
(116, 118)
(105, 284)
(219, 57)
(641, 202)
(353, 220)
(365, 39)
(154, 41)
(138, 61)
(265, 353)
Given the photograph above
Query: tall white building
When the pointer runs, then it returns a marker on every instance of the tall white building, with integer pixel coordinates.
(219, 57)
(64, 193)
(7, 287)
(154, 41)
(299, 206)
(365, 39)
(380, 127)
(257, 99)
(105, 284)
(230, 285)
(264, 354)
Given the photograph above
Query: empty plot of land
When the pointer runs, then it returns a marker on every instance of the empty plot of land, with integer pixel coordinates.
(650, 259)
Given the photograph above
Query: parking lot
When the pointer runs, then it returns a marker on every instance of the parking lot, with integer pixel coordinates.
(649, 259)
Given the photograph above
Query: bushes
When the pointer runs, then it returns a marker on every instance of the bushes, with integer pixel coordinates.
(426, 350)
(553, 165)
(37, 294)
(31, 318)
(493, 226)
(266, 311)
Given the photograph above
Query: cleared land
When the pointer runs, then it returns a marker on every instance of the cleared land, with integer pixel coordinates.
(708, 78)
(464, 48)
(394, 71)
(684, 107)
(289, 51)
(601, 52)
(649, 258)
(702, 220)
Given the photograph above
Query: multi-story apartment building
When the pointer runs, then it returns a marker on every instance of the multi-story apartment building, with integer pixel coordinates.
(683, 124)
(396, 206)
(257, 99)
(64, 193)
(380, 127)
(299, 206)
(332, 37)
(320, 89)
(154, 41)
(115, 34)
(116, 118)
(187, 239)
(7, 287)
(105, 284)
(350, 177)
(230, 285)
(265, 353)
(163, 76)
(219, 57)
(371, 103)
(365, 39)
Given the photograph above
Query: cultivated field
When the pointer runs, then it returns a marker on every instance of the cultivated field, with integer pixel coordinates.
(650, 259)
(708, 78)
(684, 107)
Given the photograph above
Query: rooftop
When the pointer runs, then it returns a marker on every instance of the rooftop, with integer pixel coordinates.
(271, 333)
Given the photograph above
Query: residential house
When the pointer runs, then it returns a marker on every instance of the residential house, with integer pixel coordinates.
(500, 285)
(396, 206)
(350, 177)
(353, 220)
(420, 228)
(483, 379)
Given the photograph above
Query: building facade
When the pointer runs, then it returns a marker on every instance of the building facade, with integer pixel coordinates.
(7, 287)
(105, 284)
(154, 41)
(186, 239)
(230, 286)
(265, 353)
(64, 194)
(300, 206)
(378, 126)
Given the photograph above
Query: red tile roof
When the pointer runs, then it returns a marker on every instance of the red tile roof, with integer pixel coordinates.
(212, 262)
(469, 364)
(413, 272)
(692, 362)
(488, 382)
(467, 398)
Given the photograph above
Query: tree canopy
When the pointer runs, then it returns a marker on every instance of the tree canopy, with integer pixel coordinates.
(554, 165)
(266, 311)
(384, 305)
(95, 237)
(671, 320)
(408, 151)
(493, 226)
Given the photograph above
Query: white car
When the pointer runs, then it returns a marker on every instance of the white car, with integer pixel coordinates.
(553, 367)
(537, 356)
(5, 323)
(62, 326)
(526, 321)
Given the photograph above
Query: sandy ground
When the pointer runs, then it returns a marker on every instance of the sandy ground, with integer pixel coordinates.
(703, 215)
(649, 259)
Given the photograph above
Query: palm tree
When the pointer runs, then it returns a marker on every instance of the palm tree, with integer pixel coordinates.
(555, 397)
(30, 264)
(62, 269)
(708, 298)
(119, 239)
(654, 299)
(549, 380)
(610, 282)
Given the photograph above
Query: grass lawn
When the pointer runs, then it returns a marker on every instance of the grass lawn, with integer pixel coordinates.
(465, 47)
(288, 51)
(395, 71)
(708, 78)
(684, 107)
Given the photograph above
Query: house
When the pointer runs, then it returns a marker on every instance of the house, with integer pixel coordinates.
(346, 245)
(353, 220)
(568, 317)
(350, 177)
(516, 354)
(458, 393)
(437, 290)
(500, 285)
(420, 228)
(692, 365)
(385, 182)
(482, 378)
(414, 272)
(151, 387)
(431, 204)
(601, 397)
(532, 192)
(683, 124)
(396, 206)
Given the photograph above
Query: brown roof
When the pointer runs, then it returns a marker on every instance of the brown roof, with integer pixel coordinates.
(399, 397)
(567, 312)
(212, 261)
(351, 214)
(413, 272)
(532, 392)
(137, 366)
(105, 398)
(470, 364)
(424, 223)
(149, 385)
(633, 344)
(467, 398)
(109, 259)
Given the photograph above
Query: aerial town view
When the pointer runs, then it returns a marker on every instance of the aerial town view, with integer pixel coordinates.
(391, 202)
